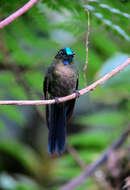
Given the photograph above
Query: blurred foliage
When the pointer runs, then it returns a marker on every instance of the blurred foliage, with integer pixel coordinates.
(27, 48)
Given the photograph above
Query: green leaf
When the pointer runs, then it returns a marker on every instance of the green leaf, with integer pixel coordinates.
(94, 139)
(12, 113)
(105, 118)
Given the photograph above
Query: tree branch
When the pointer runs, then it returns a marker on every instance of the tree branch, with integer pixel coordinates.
(87, 42)
(76, 156)
(20, 81)
(89, 170)
(18, 13)
(72, 96)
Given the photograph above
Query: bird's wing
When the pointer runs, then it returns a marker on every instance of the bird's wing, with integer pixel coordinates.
(70, 104)
(45, 90)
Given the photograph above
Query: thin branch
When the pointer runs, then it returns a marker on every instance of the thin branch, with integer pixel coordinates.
(89, 170)
(76, 156)
(72, 96)
(87, 42)
(18, 13)
(99, 179)
(20, 81)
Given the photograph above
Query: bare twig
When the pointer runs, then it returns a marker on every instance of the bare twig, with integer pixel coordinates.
(87, 42)
(99, 179)
(20, 81)
(76, 156)
(18, 13)
(72, 96)
(89, 170)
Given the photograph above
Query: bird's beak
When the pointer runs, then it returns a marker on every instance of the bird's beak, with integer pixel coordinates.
(73, 54)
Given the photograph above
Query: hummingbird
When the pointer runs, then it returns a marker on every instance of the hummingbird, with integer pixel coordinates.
(61, 79)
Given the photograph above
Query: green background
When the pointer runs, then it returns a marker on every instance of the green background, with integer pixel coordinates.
(27, 47)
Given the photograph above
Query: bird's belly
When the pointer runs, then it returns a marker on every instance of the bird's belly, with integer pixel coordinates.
(63, 86)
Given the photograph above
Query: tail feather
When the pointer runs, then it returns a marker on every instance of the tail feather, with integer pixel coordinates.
(57, 128)
(52, 130)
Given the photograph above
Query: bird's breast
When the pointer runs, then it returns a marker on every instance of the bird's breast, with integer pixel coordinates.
(64, 81)
(64, 71)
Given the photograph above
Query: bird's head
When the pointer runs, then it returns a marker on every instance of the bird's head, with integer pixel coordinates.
(65, 54)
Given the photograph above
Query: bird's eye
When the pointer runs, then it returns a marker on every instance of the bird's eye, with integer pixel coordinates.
(61, 53)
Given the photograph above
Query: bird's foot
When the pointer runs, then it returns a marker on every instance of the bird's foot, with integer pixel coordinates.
(57, 100)
(77, 93)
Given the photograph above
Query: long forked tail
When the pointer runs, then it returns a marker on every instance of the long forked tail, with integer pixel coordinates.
(57, 128)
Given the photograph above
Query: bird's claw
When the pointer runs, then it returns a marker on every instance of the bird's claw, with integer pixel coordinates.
(57, 100)
(77, 93)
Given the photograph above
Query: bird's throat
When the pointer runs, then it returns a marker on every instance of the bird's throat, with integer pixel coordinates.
(66, 62)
